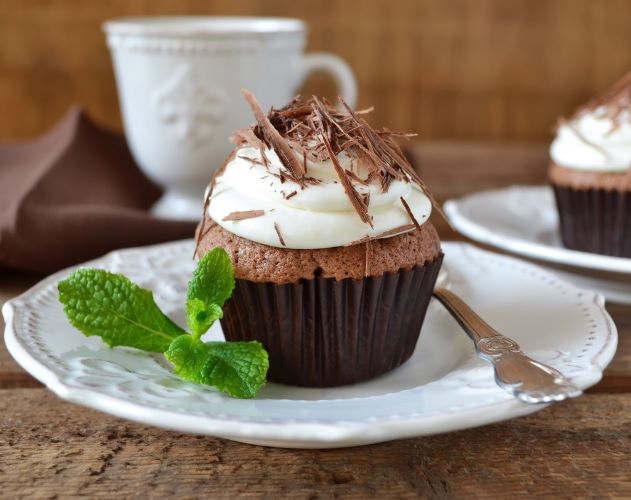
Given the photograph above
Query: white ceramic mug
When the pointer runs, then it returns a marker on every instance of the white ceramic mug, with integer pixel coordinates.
(179, 82)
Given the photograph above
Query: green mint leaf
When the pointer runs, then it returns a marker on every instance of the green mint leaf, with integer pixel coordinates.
(236, 368)
(109, 305)
(211, 285)
(202, 316)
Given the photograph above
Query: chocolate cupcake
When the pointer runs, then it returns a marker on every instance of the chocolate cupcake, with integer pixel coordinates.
(590, 173)
(327, 227)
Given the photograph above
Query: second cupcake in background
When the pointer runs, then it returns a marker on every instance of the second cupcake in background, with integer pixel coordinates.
(327, 226)
(590, 172)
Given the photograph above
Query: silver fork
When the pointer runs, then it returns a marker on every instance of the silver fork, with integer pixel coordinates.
(522, 376)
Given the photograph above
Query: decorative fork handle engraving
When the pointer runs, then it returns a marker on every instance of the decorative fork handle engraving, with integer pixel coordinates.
(525, 378)
(497, 345)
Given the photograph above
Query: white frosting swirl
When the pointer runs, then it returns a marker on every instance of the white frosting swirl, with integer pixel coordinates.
(594, 142)
(317, 216)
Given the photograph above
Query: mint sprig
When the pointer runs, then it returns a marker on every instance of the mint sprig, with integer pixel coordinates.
(111, 306)
(208, 290)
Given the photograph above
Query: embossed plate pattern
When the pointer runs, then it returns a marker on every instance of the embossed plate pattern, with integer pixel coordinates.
(444, 386)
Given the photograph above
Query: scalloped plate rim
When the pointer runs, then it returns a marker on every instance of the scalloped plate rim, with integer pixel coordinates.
(292, 433)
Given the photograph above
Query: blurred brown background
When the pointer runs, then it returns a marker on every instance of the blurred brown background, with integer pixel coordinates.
(498, 70)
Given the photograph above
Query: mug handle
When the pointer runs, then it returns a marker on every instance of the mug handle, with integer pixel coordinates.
(337, 68)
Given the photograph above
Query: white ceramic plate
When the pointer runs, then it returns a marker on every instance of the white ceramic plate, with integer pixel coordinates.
(523, 220)
(444, 387)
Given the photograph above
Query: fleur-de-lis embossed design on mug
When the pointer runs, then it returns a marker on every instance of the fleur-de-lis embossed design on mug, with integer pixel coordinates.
(189, 106)
(179, 81)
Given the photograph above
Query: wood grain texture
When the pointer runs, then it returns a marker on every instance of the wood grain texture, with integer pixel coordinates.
(618, 373)
(488, 70)
(50, 448)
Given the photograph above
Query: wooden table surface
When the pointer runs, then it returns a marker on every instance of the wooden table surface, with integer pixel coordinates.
(579, 448)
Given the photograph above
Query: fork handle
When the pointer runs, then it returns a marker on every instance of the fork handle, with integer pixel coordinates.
(488, 341)
(525, 378)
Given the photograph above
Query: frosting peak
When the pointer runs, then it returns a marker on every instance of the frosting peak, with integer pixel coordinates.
(598, 136)
(311, 176)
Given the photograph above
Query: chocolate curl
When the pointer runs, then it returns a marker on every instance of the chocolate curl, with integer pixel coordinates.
(353, 195)
(280, 236)
(410, 214)
(317, 130)
(387, 150)
(395, 231)
(202, 228)
(275, 140)
(243, 215)
(615, 100)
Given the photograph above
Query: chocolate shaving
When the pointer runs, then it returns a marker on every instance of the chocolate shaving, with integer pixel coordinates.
(356, 177)
(275, 139)
(406, 228)
(280, 236)
(318, 131)
(409, 211)
(247, 136)
(353, 195)
(363, 239)
(201, 233)
(291, 195)
(615, 101)
(254, 161)
(394, 231)
(242, 215)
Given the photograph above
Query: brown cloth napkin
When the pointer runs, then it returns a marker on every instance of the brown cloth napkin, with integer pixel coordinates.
(73, 194)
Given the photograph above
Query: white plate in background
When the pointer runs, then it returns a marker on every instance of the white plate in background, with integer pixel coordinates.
(523, 220)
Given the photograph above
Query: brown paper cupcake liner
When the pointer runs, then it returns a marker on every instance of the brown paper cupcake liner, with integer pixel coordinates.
(324, 332)
(595, 220)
